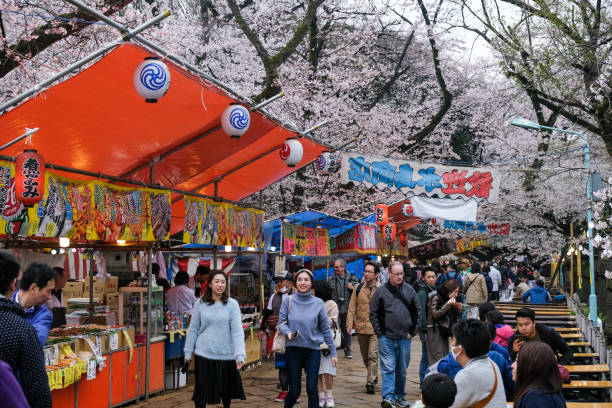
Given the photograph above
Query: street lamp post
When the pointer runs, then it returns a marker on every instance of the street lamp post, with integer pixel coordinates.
(527, 124)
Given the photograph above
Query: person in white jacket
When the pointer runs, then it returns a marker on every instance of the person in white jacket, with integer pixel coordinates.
(495, 276)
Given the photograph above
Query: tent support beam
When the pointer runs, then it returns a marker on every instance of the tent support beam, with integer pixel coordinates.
(36, 88)
(29, 132)
(129, 181)
(173, 150)
(227, 173)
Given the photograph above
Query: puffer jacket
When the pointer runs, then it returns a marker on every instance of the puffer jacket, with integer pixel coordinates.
(475, 288)
(502, 334)
(359, 309)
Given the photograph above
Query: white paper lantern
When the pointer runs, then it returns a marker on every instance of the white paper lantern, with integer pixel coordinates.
(152, 79)
(235, 120)
(291, 152)
(326, 163)
(407, 210)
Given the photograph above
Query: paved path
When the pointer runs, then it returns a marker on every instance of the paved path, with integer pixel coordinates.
(261, 386)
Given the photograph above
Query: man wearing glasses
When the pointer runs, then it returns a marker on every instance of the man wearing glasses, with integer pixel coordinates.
(341, 286)
(394, 312)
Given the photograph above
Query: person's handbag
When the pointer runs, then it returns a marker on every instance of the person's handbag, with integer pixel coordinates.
(336, 334)
(278, 344)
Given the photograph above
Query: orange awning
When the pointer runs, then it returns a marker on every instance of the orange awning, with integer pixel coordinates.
(96, 121)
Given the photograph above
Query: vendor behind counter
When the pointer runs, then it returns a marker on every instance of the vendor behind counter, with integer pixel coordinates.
(56, 302)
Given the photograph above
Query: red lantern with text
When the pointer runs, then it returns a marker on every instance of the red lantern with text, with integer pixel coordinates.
(403, 238)
(389, 231)
(29, 177)
(382, 214)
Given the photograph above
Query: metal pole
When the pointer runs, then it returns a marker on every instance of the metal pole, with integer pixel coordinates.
(91, 287)
(592, 296)
(148, 348)
(28, 132)
(571, 255)
(78, 64)
(561, 277)
(261, 272)
(267, 101)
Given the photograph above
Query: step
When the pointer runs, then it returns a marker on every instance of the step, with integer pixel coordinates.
(571, 335)
(588, 368)
(583, 384)
(579, 344)
(567, 329)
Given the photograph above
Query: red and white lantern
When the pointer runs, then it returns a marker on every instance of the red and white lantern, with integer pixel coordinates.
(407, 210)
(291, 152)
(29, 177)
(404, 238)
(381, 212)
(389, 232)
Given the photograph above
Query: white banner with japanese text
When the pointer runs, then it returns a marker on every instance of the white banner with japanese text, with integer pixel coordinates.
(481, 184)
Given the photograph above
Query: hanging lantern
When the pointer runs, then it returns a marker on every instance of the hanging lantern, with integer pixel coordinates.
(389, 231)
(235, 120)
(382, 214)
(326, 163)
(152, 79)
(403, 238)
(29, 177)
(407, 210)
(291, 152)
(434, 221)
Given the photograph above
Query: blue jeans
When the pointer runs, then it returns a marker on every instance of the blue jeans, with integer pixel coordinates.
(424, 363)
(394, 358)
(310, 360)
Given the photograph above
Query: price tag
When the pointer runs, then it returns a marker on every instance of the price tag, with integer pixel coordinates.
(98, 343)
(47, 357)
(172, 337)
(91, 370)
(114, 340)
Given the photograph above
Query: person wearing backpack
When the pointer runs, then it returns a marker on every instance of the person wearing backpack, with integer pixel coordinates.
(448, 274)
(359, 313)
(489, 282)
(475, 289)
(443, 310)
(424, 287)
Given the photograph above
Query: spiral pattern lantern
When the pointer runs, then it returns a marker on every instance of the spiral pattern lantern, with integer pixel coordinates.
(235, 120)
(152, 79)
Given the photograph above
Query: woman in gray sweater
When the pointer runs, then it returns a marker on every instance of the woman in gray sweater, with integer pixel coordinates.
(304, 321)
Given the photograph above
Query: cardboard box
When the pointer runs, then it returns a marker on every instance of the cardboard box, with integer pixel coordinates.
(98, 289)
(112, 299)
(76, 286)
(112, 284)
(97, 340)
(72, 293)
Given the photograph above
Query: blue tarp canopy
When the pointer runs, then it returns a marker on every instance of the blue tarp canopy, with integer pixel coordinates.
(313, 219)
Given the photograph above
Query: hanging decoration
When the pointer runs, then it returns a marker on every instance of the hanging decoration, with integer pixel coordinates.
(326, 163)
(389, 232)
(404, 238)
(407, 210)
(382, 214)
(291, 152)
(30, 177)
(152, 79)
(235, 120)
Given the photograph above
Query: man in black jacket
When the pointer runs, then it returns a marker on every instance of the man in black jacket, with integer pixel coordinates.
(19, 346)
(529, 330)
(394, 313)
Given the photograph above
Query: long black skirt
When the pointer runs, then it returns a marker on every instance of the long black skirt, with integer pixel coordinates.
(216, 380)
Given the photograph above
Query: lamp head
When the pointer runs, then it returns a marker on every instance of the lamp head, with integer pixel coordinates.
(525, 124)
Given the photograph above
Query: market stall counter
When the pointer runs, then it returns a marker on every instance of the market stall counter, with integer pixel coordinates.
(94, 366)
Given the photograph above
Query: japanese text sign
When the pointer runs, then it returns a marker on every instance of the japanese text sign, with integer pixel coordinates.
(503, 228)
(420, 178)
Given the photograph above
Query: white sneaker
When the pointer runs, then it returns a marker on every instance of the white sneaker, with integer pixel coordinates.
(321, 402)
(330, 401)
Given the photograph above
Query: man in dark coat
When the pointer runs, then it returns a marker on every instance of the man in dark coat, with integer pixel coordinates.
(19, 345)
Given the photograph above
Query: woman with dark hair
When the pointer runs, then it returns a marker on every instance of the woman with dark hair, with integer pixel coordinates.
(304, 321)
(483, 309)
(537, 377)
(327, 370)
(216, 335)
(443, 311)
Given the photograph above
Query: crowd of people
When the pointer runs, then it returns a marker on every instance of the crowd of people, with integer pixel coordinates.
(470, 357)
